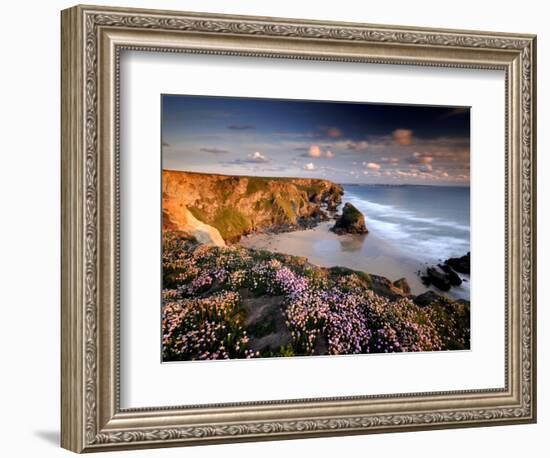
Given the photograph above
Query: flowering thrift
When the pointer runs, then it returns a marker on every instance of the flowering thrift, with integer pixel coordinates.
(204, 307)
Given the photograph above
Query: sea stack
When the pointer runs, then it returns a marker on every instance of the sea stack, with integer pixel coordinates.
(352, 221)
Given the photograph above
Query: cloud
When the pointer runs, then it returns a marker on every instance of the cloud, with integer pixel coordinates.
(309, 167)
(403, 137)
(420, 158)
(257, 157)
(374, 173)
(358, 146)
(241, 127)
(426, 168)
(334, 132)
(317, 152)
(389, 160)
(254, 158)
(214, 150)
(371, 165)
(400, 173)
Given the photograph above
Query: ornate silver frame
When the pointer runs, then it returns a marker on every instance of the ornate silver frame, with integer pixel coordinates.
(92, 39)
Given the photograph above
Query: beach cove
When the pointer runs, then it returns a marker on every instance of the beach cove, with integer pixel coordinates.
(407, 234)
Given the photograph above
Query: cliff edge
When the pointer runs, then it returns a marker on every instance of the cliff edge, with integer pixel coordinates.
(228, 207)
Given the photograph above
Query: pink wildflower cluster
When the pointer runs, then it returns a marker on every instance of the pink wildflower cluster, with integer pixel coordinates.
(203, 328)
(325, 313)
(356, 321)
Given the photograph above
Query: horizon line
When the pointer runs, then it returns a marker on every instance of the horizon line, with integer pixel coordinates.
(342, 183)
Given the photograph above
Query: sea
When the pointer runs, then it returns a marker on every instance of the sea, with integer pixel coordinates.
(410, 228)
(426, 223)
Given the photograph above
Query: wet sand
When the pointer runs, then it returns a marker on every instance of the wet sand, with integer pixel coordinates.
(367, 253)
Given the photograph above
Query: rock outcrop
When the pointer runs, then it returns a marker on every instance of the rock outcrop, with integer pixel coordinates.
(444, 276)
(237, 205)
(403, 285)
(352, 221)
(461, 265)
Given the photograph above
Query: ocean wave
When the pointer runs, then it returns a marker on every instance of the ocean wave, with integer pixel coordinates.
(423, 242)
(393, 212)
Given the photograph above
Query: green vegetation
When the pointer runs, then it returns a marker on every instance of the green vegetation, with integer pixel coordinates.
(311, 190)
(285, 205)
(282, 352)
(263, 205)
(231, 223)
(257, 184)
(350, 215)
(198, 213)
(338, 272)
(231, 302)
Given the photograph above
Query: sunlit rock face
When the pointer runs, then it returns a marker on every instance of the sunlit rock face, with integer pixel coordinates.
(233, 206)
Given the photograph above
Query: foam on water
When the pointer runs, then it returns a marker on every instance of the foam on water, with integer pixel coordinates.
(408, 225)
(410, 228)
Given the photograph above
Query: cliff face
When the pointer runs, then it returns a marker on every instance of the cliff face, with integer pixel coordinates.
(231, 206)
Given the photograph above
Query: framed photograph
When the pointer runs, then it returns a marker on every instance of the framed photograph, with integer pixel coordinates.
(277, 228)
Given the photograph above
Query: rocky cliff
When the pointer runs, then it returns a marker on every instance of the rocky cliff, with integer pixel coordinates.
(216, 208)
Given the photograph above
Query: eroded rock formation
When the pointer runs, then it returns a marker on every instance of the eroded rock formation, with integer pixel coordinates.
(232, 206)
(352, 221)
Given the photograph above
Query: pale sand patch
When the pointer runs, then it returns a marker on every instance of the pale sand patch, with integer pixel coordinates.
(367, 253)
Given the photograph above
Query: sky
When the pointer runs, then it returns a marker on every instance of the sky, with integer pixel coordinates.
(340, 141)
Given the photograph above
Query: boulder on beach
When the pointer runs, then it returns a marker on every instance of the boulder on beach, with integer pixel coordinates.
(461, 265)
(352, 221)
(436, 277)
(444, 276)
(403, 285)
(452, 276)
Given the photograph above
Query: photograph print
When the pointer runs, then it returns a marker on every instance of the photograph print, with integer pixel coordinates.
(306, 228)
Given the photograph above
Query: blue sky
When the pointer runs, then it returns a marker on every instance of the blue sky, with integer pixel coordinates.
(343, 142)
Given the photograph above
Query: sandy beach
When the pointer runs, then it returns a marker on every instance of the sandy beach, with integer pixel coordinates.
(368, 253)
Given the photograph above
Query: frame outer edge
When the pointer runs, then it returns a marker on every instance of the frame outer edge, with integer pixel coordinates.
(533, 253)
(81, 425)
(72, 250)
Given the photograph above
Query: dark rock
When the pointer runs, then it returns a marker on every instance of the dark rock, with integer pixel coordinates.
(444, 276)
(321, 346)
(438, 278)
(352, 221)
(403, 285)
(319, 215)
(384, 287)
(452, 276)
(380, 285)
(332, 205)
(461, 265)
(428, 298)
(265, 323)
